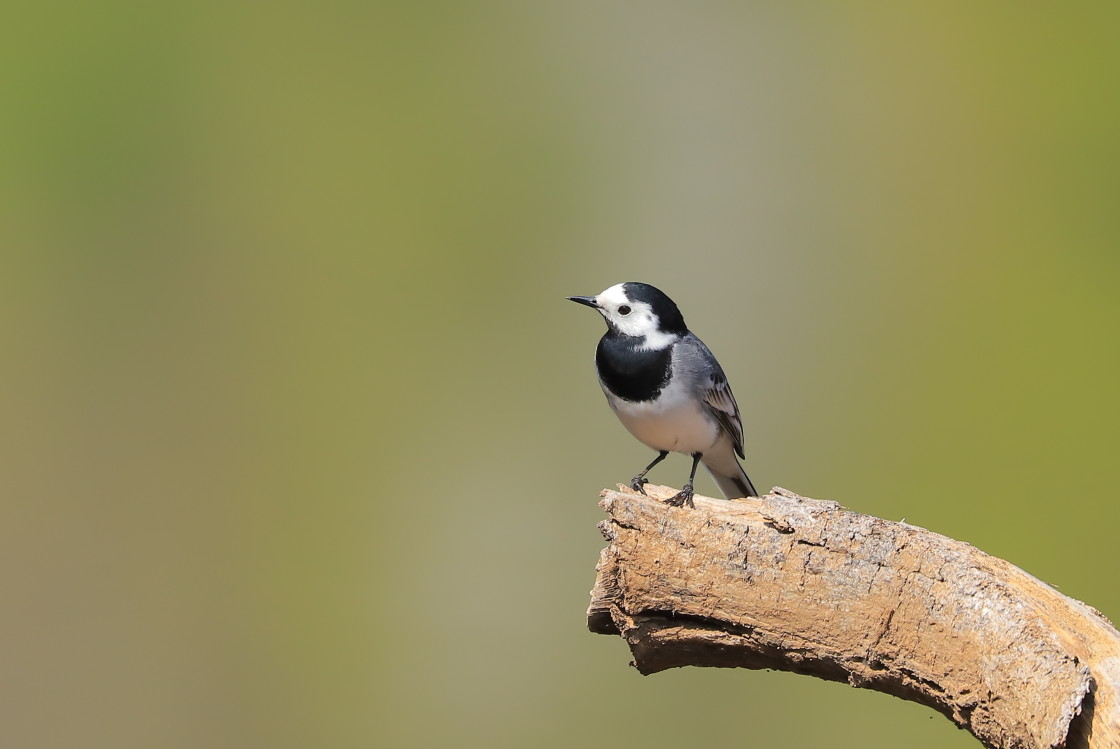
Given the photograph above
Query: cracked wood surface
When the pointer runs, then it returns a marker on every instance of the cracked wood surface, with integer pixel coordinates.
(802, 585)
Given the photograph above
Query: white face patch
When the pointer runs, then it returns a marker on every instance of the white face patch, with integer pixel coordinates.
(640, 321)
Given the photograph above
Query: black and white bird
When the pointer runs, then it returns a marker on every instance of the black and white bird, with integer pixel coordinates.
(667, 388)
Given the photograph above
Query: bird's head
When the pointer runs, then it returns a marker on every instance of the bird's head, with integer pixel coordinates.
(638, 310)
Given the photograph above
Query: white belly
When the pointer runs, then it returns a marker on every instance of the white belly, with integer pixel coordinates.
(663, 425)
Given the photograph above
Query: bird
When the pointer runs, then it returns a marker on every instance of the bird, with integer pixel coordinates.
(667, 388)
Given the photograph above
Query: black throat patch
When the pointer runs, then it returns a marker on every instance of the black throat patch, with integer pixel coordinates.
(630, 373)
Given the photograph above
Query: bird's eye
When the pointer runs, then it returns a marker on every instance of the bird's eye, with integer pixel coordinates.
(624, 310)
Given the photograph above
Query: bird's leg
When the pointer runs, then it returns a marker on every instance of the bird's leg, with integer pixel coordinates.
(638, 482)
(684, 496)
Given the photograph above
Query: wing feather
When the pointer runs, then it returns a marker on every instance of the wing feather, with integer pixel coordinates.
(722, 403)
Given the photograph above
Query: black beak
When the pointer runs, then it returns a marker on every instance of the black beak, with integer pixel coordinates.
(588, 300)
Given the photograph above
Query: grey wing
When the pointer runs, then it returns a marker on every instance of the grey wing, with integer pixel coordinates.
(719, 398)
(722, 402)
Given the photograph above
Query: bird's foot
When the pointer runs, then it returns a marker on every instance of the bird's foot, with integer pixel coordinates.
(638, 484)
(681, 498)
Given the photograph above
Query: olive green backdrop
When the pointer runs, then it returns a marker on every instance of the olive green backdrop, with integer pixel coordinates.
(300, 444)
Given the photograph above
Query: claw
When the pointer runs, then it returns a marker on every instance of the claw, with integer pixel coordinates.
(681, 498)
(638, 484)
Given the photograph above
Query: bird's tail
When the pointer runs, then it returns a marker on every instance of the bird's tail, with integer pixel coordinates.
(736, 484)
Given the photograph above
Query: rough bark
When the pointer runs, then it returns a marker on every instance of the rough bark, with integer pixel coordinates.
(802, 585)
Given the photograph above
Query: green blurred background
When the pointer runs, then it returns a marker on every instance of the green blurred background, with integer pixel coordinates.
(301, 443)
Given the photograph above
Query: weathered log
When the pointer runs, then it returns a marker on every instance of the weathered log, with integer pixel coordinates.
(802, 585)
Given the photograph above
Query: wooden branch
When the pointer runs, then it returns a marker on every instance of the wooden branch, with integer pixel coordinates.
(802, 585)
